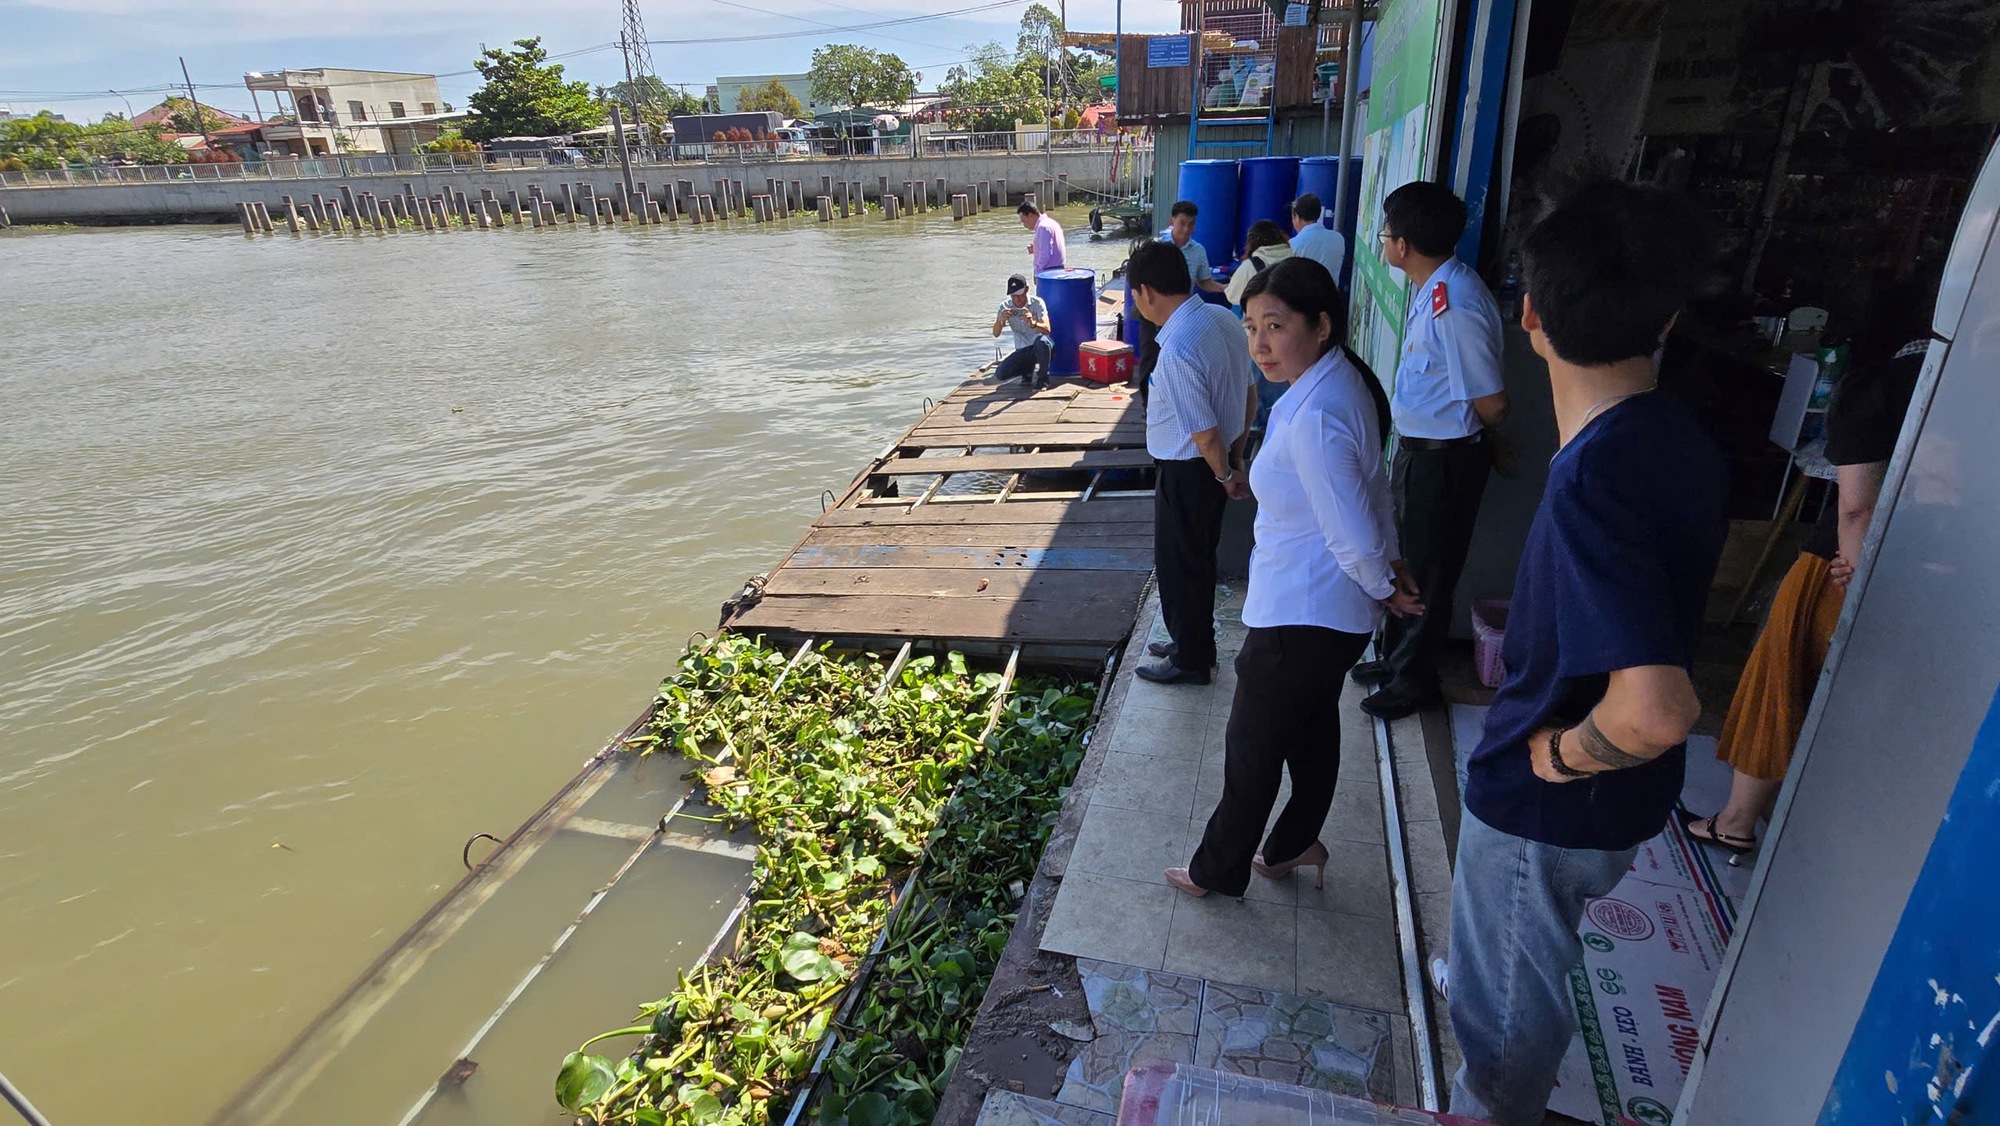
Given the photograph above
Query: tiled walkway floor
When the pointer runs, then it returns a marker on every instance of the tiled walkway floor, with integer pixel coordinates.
(1159, 780)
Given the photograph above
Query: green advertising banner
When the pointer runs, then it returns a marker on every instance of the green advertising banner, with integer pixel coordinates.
(1392, 154)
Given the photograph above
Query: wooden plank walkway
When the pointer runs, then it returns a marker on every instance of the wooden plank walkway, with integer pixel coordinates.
(1002, 517)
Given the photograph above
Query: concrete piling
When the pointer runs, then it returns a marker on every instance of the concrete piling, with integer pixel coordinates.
(375, 212)
(535, 220)
(892, 206)
(347, 204)
(514, 205)
(959, 205)
(291, 214)
(549, 212)
(425, 215)
(494, 218)
(568, 202)
(826, 209)
(943, 191)
(653, 212)
(243, 216)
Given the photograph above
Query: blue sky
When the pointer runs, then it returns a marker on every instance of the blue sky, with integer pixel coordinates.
(67, 55)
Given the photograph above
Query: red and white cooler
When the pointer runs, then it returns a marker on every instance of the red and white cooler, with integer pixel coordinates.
(1105, 361)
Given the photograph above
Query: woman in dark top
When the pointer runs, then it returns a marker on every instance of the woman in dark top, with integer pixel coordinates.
(1862, 425)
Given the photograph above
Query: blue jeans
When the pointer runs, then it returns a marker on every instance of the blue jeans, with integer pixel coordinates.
(1515, 908)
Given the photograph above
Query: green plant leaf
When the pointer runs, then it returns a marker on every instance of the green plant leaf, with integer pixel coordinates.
(870, 1109)
(583, 1080)
(801, 959)
(649, 1116)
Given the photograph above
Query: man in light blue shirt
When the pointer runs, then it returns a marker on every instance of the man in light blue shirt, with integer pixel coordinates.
(1448, 393)
(1313, 239)
(1196, 420)
(1180, 235)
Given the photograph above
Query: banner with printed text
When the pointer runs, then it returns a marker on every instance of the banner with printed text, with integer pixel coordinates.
(1392, 154)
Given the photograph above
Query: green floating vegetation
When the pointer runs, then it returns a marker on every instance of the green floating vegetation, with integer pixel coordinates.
(844, 788)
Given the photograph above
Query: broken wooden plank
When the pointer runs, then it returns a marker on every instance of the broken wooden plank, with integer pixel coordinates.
(1064, 558)
(1014, 463)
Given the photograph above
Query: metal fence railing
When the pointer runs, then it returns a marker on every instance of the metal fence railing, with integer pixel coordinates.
(925, 141)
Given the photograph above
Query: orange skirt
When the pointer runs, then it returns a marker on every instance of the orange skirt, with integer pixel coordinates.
(1778, 682)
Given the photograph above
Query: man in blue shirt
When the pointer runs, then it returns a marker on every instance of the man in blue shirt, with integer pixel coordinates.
(1583, 749)
(1448, 393)
(1315, 240)
(1180, 235)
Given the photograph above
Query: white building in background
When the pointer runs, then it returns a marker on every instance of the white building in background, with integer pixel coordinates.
(375, 111)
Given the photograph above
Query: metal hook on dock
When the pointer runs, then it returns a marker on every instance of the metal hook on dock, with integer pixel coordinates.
(465, 854)
(929, 405)
(825, 496)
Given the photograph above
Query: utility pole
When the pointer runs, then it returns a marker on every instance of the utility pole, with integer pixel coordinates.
(631, 88)
(198, 119)
(624, 155)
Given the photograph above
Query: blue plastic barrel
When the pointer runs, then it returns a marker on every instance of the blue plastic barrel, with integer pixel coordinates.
(1211, 186)
(1072, 299)
(1266, 190)
(1320, 176)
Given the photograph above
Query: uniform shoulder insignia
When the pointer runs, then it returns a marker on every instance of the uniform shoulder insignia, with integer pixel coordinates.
(1440, 299)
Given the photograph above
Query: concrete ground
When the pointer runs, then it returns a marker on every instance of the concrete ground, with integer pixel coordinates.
(1110, 965)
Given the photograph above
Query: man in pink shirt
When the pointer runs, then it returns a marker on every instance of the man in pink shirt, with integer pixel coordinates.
(1048, 245)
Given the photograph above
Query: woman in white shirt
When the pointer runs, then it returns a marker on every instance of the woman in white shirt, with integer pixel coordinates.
(1325, 567)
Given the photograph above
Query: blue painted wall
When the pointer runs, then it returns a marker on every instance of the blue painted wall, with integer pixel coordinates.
(1922, 1052)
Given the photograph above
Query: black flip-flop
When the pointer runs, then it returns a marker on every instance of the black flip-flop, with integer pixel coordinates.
(1728, 841)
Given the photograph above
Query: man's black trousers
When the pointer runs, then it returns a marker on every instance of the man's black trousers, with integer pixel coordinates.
(1187, 527)
(1437, 494)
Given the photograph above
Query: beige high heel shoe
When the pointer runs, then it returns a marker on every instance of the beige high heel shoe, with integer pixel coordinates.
(1316, 856)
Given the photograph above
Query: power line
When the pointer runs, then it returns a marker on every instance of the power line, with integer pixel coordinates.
(769, 35)
(823, 23)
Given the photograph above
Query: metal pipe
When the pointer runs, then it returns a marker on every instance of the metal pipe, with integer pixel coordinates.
(1350, 81)
(1406, 925)
(895, 666)
(20, 1103)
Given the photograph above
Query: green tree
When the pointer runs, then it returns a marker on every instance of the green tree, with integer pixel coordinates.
(771, 95)
(845, 75)
(525, 95)
(44, 134)
(992, 76)
(1040, 37)
(665, 100)
(181, 117)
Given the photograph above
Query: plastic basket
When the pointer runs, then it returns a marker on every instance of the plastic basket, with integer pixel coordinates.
(1489, 634)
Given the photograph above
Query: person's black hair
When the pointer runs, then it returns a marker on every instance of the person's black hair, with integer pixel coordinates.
(1609, 266)
(1427, 214)
(1027, 208)
(1308, 289)
(1183, 207)
(1160, 265)
(1307, 207)
(1899, 311)
(1263, 233)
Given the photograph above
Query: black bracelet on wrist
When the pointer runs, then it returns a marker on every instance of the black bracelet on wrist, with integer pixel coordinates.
(1556, 757)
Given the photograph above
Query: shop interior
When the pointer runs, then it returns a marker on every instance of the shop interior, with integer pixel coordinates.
(1831, 143)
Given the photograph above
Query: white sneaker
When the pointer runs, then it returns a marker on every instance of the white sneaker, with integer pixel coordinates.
(1441, 977)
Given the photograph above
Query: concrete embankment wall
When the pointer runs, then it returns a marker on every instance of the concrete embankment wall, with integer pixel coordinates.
(200, 201)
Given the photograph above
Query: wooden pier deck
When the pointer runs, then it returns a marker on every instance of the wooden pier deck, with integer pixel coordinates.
(1001, 518)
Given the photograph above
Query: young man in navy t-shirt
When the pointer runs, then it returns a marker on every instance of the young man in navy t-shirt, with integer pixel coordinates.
(1583, 750)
